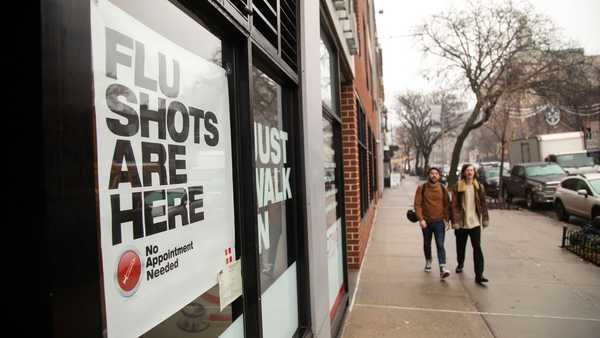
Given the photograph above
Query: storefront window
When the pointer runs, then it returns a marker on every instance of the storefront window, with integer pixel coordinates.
(165, 181)
(274, 194)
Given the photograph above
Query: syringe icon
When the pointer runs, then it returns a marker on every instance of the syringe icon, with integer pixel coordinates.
(126, 277)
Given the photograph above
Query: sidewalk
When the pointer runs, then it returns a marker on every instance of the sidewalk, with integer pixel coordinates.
(536, 289)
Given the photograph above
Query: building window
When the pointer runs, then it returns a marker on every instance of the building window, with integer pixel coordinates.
(328, 81)
(363, 158)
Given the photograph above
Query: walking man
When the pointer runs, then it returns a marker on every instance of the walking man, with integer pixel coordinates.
(469, 214)
(432, 208)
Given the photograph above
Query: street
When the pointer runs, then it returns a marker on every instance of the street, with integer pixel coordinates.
(547, 210)
(536, 289)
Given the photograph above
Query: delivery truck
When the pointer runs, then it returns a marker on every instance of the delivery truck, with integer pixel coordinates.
(565, 149)
(537, 148)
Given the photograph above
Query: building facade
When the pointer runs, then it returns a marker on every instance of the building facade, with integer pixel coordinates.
(362, 107)
(208, 168)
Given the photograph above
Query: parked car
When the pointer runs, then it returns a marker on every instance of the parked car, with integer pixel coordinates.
(489, 176)
(579, 162)
(578, 195)
(535, 182)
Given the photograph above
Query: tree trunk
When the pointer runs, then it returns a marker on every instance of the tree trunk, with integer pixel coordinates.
(417, 161)
(503, 142)
(501, 173)
(426, 161)
(460, 140)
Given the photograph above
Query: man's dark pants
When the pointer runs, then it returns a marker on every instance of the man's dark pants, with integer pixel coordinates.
(435, 229)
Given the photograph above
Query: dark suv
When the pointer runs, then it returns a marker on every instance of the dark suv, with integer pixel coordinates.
(489, 176)
(535, 182)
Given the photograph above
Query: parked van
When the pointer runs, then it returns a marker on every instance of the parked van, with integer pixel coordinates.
(537, 148)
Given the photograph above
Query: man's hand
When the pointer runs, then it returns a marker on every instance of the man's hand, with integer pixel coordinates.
(423, 224)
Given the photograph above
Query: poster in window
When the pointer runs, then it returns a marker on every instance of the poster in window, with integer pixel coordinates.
(164, 171)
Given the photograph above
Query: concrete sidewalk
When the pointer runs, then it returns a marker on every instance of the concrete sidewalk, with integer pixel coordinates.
(536, 289)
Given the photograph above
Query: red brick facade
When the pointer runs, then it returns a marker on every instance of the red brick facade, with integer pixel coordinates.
(351, 176)
(359, 91)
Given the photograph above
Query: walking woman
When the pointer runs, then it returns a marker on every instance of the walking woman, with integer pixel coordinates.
(469, 215)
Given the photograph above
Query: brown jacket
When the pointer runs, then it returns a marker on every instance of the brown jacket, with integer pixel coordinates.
(458, 212)
(433, 204)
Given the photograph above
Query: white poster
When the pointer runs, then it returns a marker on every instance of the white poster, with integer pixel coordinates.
(165, 189)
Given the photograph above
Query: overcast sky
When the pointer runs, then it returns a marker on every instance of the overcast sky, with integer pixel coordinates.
(403, 63)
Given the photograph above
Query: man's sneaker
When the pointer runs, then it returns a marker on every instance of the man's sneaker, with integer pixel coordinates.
(428, 266)
(459, 269)
(444, 272)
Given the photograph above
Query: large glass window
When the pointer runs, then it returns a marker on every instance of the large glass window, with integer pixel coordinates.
(162, 101)
(333, 180)
(335, 256)
(274, 195)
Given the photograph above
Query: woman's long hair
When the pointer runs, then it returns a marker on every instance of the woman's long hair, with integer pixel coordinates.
(463, 176)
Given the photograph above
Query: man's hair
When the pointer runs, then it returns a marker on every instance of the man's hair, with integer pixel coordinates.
(463, 174)
(433, 168)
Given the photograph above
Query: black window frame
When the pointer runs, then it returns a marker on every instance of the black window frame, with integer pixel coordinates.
(363, 158)
(296, 225)
(372, 166)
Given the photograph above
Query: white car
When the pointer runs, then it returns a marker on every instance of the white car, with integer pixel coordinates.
(578, 195)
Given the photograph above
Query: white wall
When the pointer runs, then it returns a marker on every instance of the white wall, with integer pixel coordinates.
(313, 153)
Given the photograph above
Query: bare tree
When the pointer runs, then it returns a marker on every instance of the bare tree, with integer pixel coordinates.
(417, 119)
(495, 48)
(406, 143)
(502, 127)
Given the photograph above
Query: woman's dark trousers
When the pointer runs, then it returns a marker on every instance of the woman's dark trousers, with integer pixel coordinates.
(461, 244)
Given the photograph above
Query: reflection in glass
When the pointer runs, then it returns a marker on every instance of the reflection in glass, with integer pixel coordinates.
(272, 171)
(160, 16)
(330, 168)
(333, 218)
(201, 318)
(326, 88)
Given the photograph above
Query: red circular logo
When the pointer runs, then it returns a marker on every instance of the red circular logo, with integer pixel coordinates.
(129, 271)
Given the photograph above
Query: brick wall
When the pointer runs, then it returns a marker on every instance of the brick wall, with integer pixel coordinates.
(357, 230)
(351, 175)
